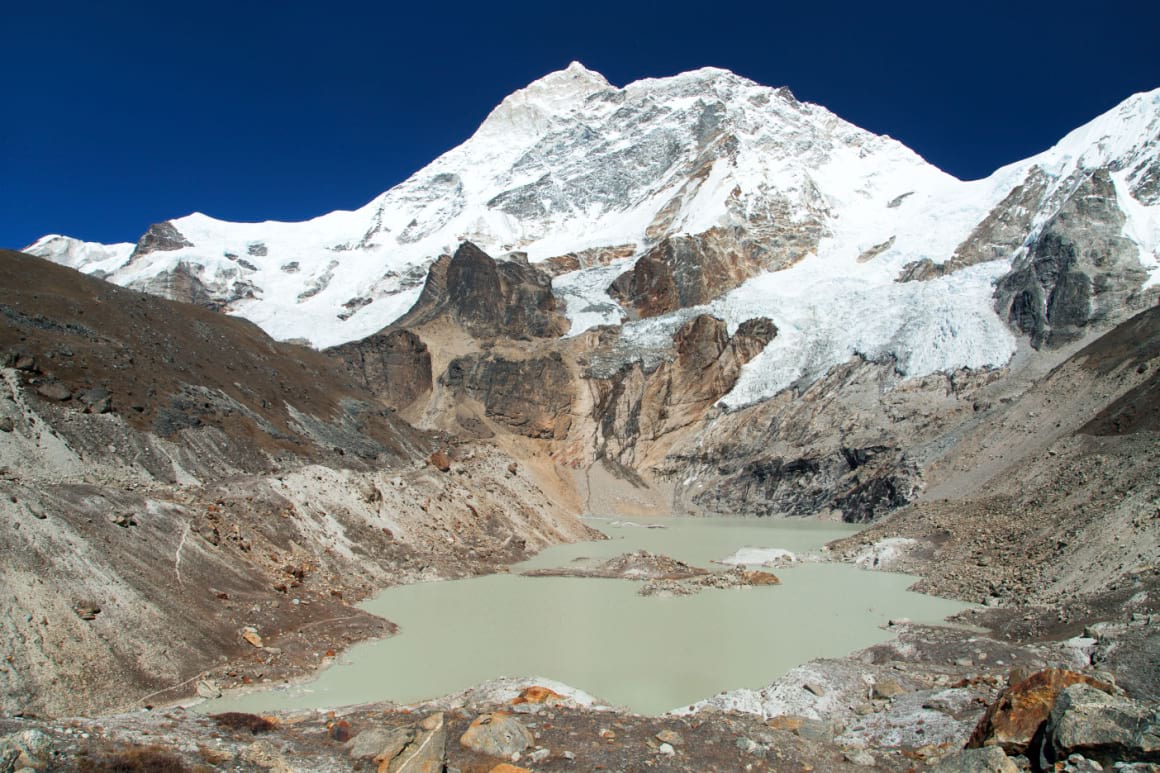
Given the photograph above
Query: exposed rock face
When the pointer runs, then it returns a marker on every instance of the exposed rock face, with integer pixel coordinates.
(840, 445)
(395, 366)
(1014, 720)
(498, 734)
(1101, 727)
(1001, 232)
(805, 486)
(532, 397)
(638, 403)
(161, 237)
(188, 283)
(1078, 270)
(683, 271)
(488, 298)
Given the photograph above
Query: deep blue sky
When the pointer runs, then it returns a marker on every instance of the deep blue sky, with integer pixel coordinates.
(114, 115)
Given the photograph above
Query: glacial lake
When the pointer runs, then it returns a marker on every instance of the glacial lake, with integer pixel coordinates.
(650, 654)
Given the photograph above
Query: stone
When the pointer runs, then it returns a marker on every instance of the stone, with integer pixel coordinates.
(803, 727)
(53, 390)
(537, 694)
(758, 577)
(266, 756)
(384, 742)
(861, 757)
(990, 759)
(887, 690)
(498, 734)
(666, 749)
(507, 767)
(1012, 721)
(250, 634)
(1100, 727)
(425, 752)
(6, 424)
(87, 611)
(440, 461)
(670, 737)
(814, 688)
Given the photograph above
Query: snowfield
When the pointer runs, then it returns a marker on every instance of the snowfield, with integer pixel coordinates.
(571, 163)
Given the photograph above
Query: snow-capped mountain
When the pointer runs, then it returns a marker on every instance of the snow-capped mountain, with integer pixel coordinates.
(848, 241)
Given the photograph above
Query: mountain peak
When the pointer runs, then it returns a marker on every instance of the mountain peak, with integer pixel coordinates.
(529, 109)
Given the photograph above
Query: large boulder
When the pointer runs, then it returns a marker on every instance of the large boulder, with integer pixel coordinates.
(1101, 727)
(990, 759)
(1016, 717)
(488, 298)
(498, 735)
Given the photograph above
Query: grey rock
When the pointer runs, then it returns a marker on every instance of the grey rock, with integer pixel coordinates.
(6, 424)
(385, 742)
(861, 757)
(1079, 270)
(53, 390)
(499, 735)
(161, 237)
(1101, 727)
(26, 749)
(425, 751)
(887, 689)
(990, 759)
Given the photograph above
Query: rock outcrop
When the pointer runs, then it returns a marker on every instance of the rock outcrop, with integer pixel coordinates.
(531, 397)
(1078, 270)
(488, 298)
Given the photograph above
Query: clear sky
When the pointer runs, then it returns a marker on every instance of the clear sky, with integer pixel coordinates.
(115, 115)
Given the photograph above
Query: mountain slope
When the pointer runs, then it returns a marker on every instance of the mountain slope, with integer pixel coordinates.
(173, 476)
(710, 180)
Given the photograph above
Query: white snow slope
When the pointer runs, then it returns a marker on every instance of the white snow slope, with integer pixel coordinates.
(571, 163)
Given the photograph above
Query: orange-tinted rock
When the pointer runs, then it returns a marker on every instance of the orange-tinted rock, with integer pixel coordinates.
(760, 578)
(440, 461)
(506, 767)
(537, 694)
(1013, 720)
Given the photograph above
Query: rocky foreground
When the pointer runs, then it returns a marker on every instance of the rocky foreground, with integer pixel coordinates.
(911, 704)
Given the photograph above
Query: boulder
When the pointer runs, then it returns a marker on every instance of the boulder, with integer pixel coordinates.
(424, 752)
(990, 759)
(498, 735)
(395, 365)
(53, 390)
(1013, 720)
(1101, 727)
(385, 742)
